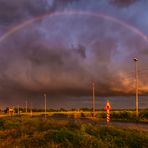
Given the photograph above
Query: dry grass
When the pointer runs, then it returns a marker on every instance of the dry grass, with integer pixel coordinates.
(40, 133)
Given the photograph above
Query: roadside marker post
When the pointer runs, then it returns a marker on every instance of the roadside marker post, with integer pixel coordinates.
(108, 108)
(11, 111)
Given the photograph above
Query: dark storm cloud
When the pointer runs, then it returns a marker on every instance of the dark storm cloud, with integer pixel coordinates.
(122, 3)
(64, 54)
(16, 10)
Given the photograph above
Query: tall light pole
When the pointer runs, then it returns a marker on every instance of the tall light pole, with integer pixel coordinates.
(45, 104)
(31, 109)
(18, 110)
(26, 106)
(93, 101)
(136, 74)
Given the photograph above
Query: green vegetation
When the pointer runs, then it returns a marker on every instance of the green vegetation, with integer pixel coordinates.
(125, 115)
(41, 133)
(116, 115)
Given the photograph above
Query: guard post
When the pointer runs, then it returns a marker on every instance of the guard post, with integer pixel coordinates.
(108, 108)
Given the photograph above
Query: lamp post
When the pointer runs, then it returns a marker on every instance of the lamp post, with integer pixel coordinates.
(136, 74)
(93, 101)
(31, 109)
(45, 104)
(26, 106)
(18, 110)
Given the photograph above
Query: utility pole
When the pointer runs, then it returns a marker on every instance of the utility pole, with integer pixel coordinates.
(31, 109)
(26, 106)
(136, 74)
(45, 104)
(93, 101)
(18, 110)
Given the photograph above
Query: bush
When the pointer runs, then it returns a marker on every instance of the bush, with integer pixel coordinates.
(123, 115)
(143, 114)
(2, 123)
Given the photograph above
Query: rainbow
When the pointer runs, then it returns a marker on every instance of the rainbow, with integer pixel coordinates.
(80, 13)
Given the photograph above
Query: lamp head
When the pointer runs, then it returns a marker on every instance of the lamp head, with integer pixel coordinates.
(135, 59)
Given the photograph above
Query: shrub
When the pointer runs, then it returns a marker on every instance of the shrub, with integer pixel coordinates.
(124, 115)
(143, 114)
(2, 124)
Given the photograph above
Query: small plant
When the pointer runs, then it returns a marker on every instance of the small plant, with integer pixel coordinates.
(2, 124)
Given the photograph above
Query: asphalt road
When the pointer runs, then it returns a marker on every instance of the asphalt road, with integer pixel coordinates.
(96, 121)
(139, 126)
(127, 125)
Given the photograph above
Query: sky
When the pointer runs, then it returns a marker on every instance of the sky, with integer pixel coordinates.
(59, 47)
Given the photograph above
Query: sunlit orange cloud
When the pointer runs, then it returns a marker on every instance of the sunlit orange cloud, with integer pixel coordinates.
(143, 89)
(126, 84)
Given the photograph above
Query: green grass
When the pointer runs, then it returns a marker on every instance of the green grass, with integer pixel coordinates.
(40, 133)
(116, 115)
(125, 115)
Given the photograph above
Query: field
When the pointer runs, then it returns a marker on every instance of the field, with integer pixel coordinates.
(26, 132)
(116, 115)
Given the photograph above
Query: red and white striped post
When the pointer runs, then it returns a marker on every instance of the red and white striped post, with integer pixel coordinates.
(108, 108)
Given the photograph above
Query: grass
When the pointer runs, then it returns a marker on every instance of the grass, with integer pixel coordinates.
(126, 115)
(40, 133)
(116, 115)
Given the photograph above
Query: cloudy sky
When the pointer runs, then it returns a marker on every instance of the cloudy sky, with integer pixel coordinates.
(59, 47)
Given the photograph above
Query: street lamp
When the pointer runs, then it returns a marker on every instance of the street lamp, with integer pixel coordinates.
(26, 106)
(136, 74)
(45, 105)
(31, 109)
(93, 101)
